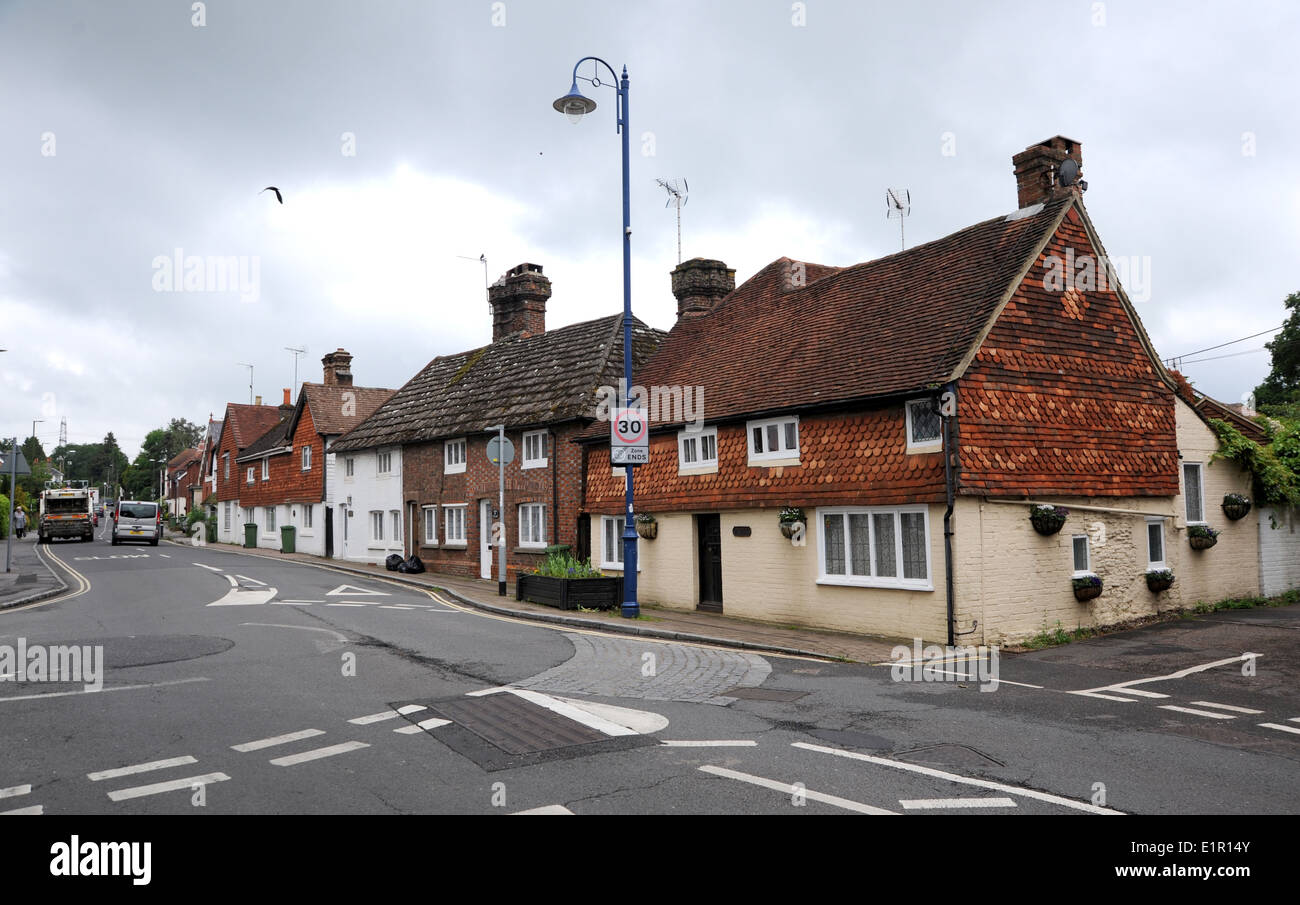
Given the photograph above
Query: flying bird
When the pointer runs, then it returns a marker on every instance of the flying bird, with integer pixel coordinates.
(271, 188)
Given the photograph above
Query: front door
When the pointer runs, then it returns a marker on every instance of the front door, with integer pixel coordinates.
(485, 539)
(329, 532)
(343, 520)
(708, 529)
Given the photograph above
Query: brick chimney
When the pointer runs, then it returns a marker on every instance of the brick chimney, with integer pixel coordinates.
(1036, 166)
(699, 284)
(518, 302)
(286, 407)
(338, 369)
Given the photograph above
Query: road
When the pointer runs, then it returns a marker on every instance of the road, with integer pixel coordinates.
(247, 685)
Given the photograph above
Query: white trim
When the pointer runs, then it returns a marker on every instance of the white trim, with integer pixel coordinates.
(782, 456)
(1182, 478)
(923, 446)
(541, 525)
(702, 464)
(614, 565)
(461, 445)
(450, 537)
(872, 581)
(524, 461)
(306, 458)
(1087, 551)
(1156, 565)
(424, 524)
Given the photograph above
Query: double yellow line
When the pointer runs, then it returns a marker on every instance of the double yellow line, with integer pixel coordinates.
(80, 585)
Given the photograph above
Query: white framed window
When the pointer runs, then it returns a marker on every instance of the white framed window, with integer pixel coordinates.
(453, 528)
(266, 468)
(225, 466)
(611, 542)
(395, 520)
(1155, 544)
(226, 515)
(453, 456)
(532, 525)
(349, 466)
(384, 463)
(430, 524)
(534, 450)
(697, 449)
(376, 524)
(1082, 555)
(250, 475)
(1194, 492)
(924, 426)
(307, 516)
(773, 439)
(875, 547)
(248, 514)
(268, 513)
(306, 458)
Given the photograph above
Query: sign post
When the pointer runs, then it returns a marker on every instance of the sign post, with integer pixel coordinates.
(500, 451)
(629, 439)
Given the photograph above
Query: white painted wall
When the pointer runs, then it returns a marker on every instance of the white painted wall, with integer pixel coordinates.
(1279, 550)
(369, 491)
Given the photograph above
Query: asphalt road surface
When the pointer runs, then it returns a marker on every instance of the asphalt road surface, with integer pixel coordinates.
(237, 684)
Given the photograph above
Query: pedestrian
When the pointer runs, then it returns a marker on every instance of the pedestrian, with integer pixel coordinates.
(20, 522)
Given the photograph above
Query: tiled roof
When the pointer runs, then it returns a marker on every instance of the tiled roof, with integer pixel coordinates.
(328, 404)
(183, 458)
(878, 329)
(248, 422)
(275, 438)
(520, 381)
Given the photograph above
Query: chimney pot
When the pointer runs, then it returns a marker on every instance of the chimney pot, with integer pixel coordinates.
(338, 368)
(518, 302)
(286, 397)
(259, 399)
(699, 284)
(1036, 170)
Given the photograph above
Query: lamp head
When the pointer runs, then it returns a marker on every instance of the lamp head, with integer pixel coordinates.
(574, 105)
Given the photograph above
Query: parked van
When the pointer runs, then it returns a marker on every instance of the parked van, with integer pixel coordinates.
(137, 520)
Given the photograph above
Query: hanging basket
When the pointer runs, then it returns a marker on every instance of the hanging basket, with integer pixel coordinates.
(1235, 509)
(1158, 581)
(1048, 520)
(648, 530)
(1201, 542)
(787, 529)
(1087, 591)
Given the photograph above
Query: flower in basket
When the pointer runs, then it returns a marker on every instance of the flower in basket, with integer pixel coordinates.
(1086, 582)
(644, 518)
(1047, 519)
(1204, 531)
(1160, 579)
(792, 514)
(1236, 499)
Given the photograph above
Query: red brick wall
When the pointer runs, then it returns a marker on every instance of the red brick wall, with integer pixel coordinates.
(424, 483)
(1062, 398)
(231, 488)
(290, 484)
(845, 458)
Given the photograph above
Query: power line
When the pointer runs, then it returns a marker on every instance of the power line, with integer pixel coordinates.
(1231, 343)
(1229, 355)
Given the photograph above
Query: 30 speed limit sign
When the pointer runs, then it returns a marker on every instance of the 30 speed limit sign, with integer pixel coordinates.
(629, 437)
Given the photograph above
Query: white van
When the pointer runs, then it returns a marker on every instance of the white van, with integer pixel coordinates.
(137, 520)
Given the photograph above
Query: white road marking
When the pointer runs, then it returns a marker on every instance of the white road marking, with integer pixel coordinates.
(277, 740)
(1291, 729)
(411, 708)
(33, 810)
(64, 694)
(374, 718)
(1226, 707)
(231, 579)
(317, 754)
(1293, 719)
(165, 555)
(431, 723)
(141, 768)
(1144, 694)
(297, 601)
(1106, 697)
(347, 590)
(953, 777)
(962, 675)
(345, 604)
(171, 786)
(237, 596)
(393, 607)
(252, 580)
(713, 743)
(578, 715)
(15, 791)
(209, 568)
(788, 789)
(937, 804)
(547, 809)
(1194, 712)
(487, 691)
(1127, 687)
(644, 722)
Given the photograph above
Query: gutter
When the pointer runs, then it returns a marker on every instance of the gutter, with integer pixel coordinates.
(1083, 508)
(947, 521)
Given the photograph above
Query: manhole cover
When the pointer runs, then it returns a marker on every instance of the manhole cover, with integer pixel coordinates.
(948, 756)
(764, 694)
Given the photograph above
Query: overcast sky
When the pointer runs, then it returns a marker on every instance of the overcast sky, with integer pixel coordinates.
(406, 134)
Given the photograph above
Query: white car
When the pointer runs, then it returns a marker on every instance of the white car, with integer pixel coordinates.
(137, 520)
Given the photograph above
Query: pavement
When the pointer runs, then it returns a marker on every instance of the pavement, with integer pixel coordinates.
(30, 578)
(655, 622)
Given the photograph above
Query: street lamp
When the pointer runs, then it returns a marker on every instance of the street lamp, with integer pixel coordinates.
(575, 105)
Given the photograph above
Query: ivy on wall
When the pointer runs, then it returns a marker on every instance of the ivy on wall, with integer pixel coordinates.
(1276, 479)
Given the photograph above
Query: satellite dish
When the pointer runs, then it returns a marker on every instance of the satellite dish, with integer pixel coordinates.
(1068, 172)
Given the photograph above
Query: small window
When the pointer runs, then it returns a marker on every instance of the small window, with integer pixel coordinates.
(611, 548)
(306, 458)
(774, 439)
(306, 516)
(349, 464)
(1155, 543)
(1193, 475)
(376, 525)
(453, 461)
(532, 525)
(250, 474)
(534, 450)
(1082, 557)
(697, 449)
(226, 516)
(266, 468)
(924, 426)
(269, 512)
(384, 464)
(454, 524)
(394, 519)
(225, 466)
(430, 524)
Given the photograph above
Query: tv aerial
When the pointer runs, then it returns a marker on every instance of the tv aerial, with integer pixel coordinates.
(898, 203)
(678, 191)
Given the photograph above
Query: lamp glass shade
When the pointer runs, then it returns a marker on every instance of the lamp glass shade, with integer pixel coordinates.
(574, 105)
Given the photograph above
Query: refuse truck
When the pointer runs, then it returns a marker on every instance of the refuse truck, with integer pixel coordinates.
(65, 512)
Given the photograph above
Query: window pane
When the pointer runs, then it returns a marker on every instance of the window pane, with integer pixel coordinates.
(833, 543)
(1081, 554)
(886, 545)
(708, 447)
(688, 451)
(773, 437)
(914, 550)
(791, 436)
(1155, 542)
(925, 422)
(1192, 488)
(859, 544)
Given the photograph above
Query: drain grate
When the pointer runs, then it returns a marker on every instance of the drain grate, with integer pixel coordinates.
(517, 726)
(763, 694)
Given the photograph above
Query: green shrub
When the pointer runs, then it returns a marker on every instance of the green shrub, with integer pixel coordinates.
(563, 565)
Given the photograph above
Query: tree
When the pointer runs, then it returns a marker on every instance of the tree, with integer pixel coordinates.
(32, 449)
(1281, 387)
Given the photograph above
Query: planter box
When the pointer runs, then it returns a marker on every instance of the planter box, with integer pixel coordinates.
(1236, 511)
(1202, 543)
(570, 593)
(648, 530)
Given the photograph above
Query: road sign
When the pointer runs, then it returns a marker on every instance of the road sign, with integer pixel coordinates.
(6, 464)
(495, 444)
(629, 437)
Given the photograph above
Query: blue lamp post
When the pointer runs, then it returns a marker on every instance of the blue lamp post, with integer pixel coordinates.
(574, 105)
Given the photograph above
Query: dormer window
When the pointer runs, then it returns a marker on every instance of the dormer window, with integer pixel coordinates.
(924, 426)
(774, 441)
